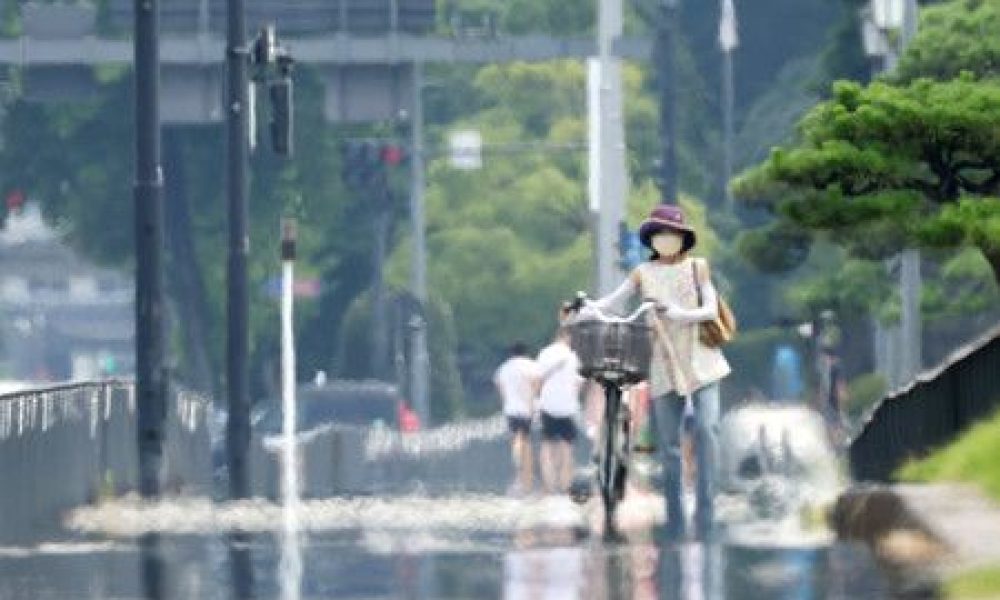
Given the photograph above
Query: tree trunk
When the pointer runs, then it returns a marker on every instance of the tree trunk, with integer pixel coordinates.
(186, 286)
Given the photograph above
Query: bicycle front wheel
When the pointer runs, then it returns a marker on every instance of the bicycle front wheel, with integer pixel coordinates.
(613, 470)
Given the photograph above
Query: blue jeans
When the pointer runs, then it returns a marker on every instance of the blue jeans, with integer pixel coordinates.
(669, 413)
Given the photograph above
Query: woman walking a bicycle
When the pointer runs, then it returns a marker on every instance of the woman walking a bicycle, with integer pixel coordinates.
(682, 364)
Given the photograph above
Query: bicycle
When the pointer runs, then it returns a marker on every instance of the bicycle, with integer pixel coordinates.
(615, 352)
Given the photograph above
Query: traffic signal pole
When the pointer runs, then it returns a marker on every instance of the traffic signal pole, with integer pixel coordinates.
(151, 381)
(237, 188)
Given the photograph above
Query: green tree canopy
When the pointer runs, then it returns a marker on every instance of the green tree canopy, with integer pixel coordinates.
(508, 242)
(884, 167)
(956, 36)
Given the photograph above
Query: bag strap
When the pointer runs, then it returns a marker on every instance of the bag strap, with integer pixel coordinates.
(694, 274)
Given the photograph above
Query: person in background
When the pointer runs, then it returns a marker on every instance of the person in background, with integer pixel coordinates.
(409, 421)
(560, 384)
(832, 387)
(516, 381)
(787, 382)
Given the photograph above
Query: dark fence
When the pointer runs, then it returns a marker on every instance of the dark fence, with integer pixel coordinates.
(930, 412)
(64, 446)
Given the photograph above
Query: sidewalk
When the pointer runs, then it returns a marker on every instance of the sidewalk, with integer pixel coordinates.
(949, 528)
(962, 517)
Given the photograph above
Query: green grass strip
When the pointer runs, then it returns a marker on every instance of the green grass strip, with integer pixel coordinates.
(972, 458)
(979, 583)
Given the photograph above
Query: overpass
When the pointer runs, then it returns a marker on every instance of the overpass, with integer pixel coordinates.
(365, 51)
(334, 49)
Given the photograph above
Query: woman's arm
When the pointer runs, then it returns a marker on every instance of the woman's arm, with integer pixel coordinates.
(618, 298)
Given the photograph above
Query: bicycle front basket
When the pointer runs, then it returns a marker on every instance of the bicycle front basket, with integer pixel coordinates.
(612, 349)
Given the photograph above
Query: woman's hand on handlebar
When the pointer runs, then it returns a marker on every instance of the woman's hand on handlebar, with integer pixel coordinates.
(571, 309)
(579, 301)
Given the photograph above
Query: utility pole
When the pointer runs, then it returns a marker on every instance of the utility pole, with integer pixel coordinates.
(665, 59)
(148, 192)
(608, 178)
(910, 286)
(380, 314)
(420, 372)
(151, 382)
(237, 346)
(898, 349)
(910, 280)
(728, 42)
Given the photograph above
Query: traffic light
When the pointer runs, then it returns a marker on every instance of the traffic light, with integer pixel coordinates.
(281, 116)
(392, 155)
(272, 64)
(364, 161)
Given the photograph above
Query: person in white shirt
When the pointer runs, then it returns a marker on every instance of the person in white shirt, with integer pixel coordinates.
(559, 403)
(516, 380)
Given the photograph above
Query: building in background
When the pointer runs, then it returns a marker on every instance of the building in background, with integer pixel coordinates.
(61, 317)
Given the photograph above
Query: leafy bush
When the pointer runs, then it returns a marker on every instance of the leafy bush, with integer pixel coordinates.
(863, 392)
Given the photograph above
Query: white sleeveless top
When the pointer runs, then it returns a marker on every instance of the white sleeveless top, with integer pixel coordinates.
(687, 365)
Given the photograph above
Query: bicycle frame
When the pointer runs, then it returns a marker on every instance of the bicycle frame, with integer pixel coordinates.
(615, 444)
(615, 449)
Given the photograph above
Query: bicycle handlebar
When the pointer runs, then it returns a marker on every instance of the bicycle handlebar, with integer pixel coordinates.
(582, 301)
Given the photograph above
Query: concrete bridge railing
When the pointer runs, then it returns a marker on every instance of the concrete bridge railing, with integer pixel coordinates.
(68, 445)
(471, 456)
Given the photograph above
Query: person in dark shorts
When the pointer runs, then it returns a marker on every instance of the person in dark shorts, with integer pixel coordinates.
(558, 428)
(559, 403)
(518, 425)
(516, 380)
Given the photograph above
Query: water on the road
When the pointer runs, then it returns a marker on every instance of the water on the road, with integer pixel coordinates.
(439, 543)
(420, 547)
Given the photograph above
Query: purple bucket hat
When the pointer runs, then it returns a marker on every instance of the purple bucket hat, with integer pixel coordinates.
(666, 216)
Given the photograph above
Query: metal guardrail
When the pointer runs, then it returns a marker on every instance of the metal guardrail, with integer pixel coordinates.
(67, 445)
(471, 457)
(931, 411)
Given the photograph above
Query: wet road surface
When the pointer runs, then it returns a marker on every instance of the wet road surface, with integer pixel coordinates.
(471, 546)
